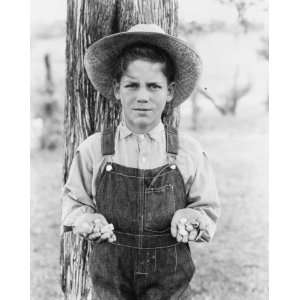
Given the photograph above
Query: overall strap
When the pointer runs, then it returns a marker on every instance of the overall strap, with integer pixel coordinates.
(108, 141)
(171, 143)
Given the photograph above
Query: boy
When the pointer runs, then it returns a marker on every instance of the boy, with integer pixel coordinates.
(141, 191)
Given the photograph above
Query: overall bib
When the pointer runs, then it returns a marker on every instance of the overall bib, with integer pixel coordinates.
(145, 262)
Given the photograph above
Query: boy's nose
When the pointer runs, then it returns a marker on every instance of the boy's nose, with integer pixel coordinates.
(143, 96)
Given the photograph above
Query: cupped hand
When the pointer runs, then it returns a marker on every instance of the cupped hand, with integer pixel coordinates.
(186, 224)
(88, 222)
(94, 226)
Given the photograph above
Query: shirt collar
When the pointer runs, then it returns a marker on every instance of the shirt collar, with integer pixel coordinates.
(155, 133)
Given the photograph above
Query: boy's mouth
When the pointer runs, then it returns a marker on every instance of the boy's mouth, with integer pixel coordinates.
(142, 109)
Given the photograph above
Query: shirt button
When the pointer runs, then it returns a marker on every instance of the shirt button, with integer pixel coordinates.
(141, 137)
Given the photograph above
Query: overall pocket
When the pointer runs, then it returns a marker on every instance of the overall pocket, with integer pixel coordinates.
(159, 208)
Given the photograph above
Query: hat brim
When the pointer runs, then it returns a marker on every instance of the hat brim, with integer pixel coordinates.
(100, 58)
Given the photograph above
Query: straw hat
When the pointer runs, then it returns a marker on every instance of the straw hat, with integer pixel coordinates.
(100, 59)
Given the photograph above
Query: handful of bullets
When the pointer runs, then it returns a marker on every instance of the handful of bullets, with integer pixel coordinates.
(97, 231)
(187, 231)
(105, 232)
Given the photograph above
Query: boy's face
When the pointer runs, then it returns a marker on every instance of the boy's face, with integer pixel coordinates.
(143, 91)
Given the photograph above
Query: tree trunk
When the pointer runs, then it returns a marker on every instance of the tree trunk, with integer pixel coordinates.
(86, 111)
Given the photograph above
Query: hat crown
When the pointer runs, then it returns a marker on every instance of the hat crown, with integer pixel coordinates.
(146, 28)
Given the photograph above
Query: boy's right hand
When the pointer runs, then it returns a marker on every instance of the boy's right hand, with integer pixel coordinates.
(85, 224)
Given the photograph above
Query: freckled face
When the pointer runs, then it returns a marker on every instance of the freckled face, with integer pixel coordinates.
(143, 91)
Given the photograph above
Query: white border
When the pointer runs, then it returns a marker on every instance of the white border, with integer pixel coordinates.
(284, 150)
(15, 170)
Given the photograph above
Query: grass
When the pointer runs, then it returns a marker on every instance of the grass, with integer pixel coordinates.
(234, 266)
(45, 220)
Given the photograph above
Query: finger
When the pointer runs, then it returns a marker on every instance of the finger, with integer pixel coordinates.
(102, 226)
(185, 238)
(179, 237)
(98, 225)
(193, 235)
(174, 228)
(112, 238)
(94, 235)
(107, 228)
(181, 230)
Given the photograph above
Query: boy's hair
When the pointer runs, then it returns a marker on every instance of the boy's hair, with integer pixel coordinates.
(145, 52)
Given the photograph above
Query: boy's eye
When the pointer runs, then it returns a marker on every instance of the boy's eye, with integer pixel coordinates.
(131, 85)
(154, 86)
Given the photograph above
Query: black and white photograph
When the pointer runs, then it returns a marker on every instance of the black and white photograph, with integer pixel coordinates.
(149, 150)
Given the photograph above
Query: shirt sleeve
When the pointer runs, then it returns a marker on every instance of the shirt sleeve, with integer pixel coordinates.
(203, 196)
(77, 192)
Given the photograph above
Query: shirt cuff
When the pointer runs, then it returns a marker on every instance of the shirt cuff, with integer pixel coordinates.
(203, 236)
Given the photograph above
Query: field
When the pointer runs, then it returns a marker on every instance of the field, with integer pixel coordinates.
(234, 266)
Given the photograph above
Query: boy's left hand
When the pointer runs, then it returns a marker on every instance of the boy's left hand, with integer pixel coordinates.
(186, 224)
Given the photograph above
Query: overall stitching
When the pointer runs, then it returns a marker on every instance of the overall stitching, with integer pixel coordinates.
(148, 263)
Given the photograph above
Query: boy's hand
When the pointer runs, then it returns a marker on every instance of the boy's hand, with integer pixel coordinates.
(186, 224)
(93, 226)
(103, 233)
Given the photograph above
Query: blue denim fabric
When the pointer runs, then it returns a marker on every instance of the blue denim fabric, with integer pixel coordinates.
(145, 262)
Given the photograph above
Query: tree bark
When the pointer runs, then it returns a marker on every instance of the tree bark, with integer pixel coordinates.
(86, 111)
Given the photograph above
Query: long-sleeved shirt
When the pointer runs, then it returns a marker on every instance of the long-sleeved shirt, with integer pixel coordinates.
(143, 151)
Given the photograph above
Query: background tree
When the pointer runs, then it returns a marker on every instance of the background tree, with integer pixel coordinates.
(189, 32)
(235, 93)
(86, 111)
(241, 7)
(231, 98)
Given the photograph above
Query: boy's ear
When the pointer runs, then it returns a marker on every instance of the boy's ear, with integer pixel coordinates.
(116, 88)
(170, 95)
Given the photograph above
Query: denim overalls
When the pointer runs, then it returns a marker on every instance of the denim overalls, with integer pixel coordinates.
(145, 262)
